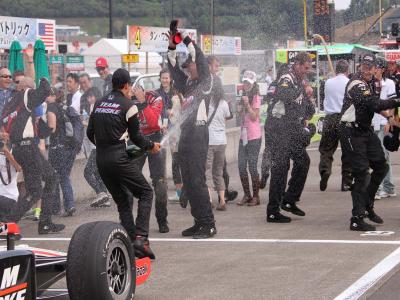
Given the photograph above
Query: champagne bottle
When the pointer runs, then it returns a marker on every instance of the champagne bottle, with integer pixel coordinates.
(134, 151)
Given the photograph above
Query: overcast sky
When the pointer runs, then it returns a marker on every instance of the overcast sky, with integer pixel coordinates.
(342, 4)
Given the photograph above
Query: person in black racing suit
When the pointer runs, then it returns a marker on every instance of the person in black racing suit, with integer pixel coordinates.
(112, 120)
(198, 89)
(362, 144)
(288, 113)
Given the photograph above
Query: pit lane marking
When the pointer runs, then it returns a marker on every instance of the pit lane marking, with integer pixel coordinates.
(368, 280)
(271, 241)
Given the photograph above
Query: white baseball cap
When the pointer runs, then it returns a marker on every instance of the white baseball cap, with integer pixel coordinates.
(249, 76)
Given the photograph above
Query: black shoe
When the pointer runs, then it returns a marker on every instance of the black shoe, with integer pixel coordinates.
(263, 181)
(183, 200)
(293, 209)
(278, 218)
(191, 230)
(358, 224)
(370, 213)
(142, 247)
(163, 227)
(205, 232)
(45, 228)
(230, 195)
(323, 184)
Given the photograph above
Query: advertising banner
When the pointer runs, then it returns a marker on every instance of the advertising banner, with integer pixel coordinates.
(153, 39)
(26, 31)
(221, 45)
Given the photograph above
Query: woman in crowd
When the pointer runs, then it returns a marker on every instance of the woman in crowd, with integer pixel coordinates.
(250, 139)
(61, 153)
(387, 89)
(218, 113)
(170, 114)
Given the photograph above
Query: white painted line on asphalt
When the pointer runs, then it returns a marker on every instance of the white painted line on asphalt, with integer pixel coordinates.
(358, 288)
(276, 241)
(316, 149)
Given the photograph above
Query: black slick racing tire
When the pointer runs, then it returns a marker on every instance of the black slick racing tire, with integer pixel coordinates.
(101, 263)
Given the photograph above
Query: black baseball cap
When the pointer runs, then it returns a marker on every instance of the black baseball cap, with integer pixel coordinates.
(380, 63)
(120, 78)
(187, 62)
(368, 59)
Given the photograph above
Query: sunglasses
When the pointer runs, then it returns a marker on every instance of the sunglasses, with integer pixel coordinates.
(99, 69)
(6, 76)
(17, 81)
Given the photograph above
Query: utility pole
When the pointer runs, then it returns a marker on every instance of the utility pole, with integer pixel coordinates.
(172, 9)
(212, 26)
(305, 22)
(165, 12)
(380, 17)
(110, 30)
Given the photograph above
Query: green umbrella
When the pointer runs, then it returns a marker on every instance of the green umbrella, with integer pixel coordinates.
(16, 61)
(40, 61)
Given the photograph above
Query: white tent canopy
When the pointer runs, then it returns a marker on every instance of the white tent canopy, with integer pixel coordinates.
(112, 49)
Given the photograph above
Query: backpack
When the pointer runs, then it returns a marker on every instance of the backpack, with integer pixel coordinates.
(74, 129)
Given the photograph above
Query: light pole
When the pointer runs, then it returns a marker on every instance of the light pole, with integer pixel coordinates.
(305, 21)
(212, 26)
(380, 17)
(110, 30)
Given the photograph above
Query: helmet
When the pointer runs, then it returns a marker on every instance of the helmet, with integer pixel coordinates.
(101, 62)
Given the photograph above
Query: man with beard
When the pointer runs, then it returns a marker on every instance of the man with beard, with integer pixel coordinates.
(197, 88)
(289, 111)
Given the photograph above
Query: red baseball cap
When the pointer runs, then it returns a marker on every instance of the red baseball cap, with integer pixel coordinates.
(101, 62)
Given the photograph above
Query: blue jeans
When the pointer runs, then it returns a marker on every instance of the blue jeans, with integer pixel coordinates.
(62, 159)
(387, 184)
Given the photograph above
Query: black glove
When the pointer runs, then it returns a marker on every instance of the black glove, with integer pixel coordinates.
(308, 133)
(391, 139)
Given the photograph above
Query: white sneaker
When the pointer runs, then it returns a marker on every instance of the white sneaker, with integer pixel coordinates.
(174, 199)
(99, 200)
(105, 204)
(387, 195)
(377, 197)
(383, 194)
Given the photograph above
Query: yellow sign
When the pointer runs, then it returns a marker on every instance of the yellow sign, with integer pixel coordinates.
(206, 44)
(138, 39)
(130, 58)
(281, 56)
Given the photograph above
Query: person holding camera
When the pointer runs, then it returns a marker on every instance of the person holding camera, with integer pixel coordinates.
(198, 89)
(113, 120)
(250, 139)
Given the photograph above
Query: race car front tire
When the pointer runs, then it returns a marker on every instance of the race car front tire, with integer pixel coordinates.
(101, 263)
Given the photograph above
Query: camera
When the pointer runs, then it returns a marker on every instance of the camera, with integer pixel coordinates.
(176, 35)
